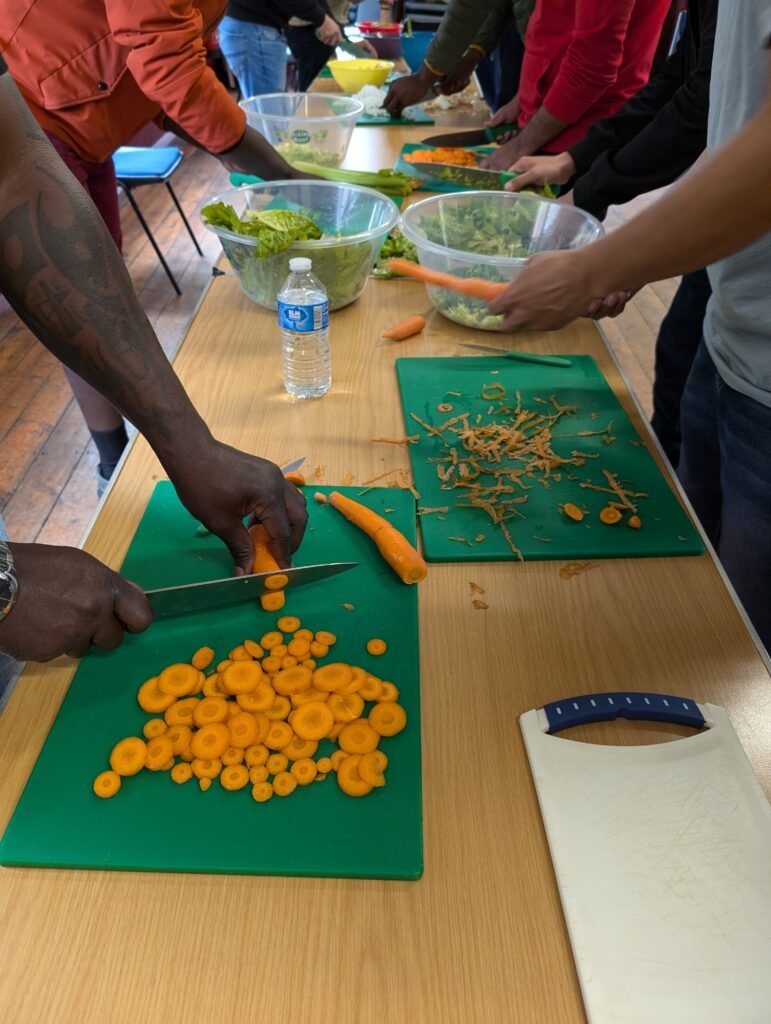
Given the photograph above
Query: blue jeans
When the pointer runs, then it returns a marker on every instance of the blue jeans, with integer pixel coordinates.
(256, 54)
(498, 74)
(725, 469)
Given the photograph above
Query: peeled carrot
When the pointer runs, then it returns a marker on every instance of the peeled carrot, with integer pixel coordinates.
(405, 329)
(264, 561)
(475, 287)
(295, 478)
(406, 562)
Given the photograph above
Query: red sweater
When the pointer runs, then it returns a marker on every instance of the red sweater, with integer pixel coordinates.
(585, 58)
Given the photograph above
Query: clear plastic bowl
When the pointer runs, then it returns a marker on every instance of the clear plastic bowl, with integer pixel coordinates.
(355, 222)
(305, 126)
(489, 235)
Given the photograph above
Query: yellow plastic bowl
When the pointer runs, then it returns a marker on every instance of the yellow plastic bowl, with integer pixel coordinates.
(352, 75)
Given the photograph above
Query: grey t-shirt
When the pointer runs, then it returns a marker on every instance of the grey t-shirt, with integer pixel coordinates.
(737, 328)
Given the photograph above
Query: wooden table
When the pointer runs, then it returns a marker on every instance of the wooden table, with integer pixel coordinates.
(481, 938)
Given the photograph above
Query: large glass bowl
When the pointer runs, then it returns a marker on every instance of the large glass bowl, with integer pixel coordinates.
(355, 222)
(305, 126)
(489, 235)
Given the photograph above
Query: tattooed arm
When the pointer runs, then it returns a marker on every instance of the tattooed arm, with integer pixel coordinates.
(61, 272)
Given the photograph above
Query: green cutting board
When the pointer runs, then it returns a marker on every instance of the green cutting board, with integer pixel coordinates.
(434, 184)
(666, 529)
(155, 825)
(419, 116)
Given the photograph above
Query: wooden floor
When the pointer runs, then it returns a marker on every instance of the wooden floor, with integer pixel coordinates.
(47, 462)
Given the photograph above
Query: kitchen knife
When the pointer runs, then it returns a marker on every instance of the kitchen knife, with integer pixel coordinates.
(524, 357)
(215, 594)
(353, 50)
(291, 467)
(475, 137)
(468, 177)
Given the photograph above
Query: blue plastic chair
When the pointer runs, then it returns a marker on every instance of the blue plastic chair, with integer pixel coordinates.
(139, 165)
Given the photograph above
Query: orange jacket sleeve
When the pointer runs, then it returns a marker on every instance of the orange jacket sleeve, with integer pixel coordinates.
(167, 58)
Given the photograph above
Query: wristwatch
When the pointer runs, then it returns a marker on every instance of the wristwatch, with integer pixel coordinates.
(9, 585)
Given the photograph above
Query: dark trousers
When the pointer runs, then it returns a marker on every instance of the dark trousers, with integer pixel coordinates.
(724, 469)
(310, 54)
(498, 74)
(676, 345)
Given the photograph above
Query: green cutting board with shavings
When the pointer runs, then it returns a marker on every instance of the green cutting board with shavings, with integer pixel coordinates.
(434, 184)
(538, 527)
(153, 824)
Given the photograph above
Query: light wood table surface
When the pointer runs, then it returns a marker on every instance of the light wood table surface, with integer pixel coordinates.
(480, 939)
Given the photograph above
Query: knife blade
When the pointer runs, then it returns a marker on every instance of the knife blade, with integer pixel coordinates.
(523, 357)
(468, 177)
(353, 50)
(188, 599)
(291, 467)
(474, 137)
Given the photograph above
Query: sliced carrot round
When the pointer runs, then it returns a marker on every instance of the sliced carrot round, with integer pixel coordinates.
(152, 699)
(233, 755)
(325, 637)
(271, 665)
(271, 640)
(258, 773)
(333, 676)
(288, 662)
(276, 582)
(387, 719)
(128, 756)
(299, 748)
(202, 658)
(324, 765)
(262, 792)
(303, 634)
(337, 757)
(263, 726)
(308, 663)
(256, 755)
(154, 727)
(233, 710)
(204, 783)
(180, 736)
(279, 736)
(371, 688)
(223, 665)
(306, 696)
(346, 707)
(242, 677)
(376, 647)
(181, 772)
(279, 709)
(284, 784)
(254, 649)
(358, 737)
(388, 693)
(239, 653)
(317, 649)
(572, 511)
(243, 730)
(292, 680)
(304, 770)
(299, 648)
(372, 766)
(280, 651)
(610, 515)
(210, 710)
(258, 700)
(211, 741)
(212, 686)
(159, 750)
(313, 721)
(274, 601)
(181, 712)
(334, 732)
(234, 776)
(349, 779)
(107, 784)
(634, 522)
(288, 623)
(277, 763)
(358, 679)
(178, 680)
(203, 768)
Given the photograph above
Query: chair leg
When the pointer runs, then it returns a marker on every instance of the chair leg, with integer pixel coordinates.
(185, 221)
(153, 243)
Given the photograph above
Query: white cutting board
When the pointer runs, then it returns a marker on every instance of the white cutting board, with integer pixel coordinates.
(663, 860)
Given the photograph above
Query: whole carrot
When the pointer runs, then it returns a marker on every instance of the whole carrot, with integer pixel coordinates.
(405, 329)
(475, 287)
(405, 561)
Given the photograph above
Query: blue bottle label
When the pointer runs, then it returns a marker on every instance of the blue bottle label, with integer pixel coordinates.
(303, 319)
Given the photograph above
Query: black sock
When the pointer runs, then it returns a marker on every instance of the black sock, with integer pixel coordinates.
(110, 445)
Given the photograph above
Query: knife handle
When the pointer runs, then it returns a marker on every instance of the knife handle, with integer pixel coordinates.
(604, 707)
(492, 134)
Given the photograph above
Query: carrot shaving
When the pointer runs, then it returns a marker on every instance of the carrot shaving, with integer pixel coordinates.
(475, 588)
(480, 605)
(576, 568)
(404, 441)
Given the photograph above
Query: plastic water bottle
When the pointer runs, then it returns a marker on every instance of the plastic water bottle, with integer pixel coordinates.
(303, 318)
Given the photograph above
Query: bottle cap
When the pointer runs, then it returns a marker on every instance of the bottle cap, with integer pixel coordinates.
(298, 264)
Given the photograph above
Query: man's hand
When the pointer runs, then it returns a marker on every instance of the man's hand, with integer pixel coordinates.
(553, 289)
(68, 601)
(408, 90)
(541, 170)
(507, 114)
(507, 154)
(458, 79)
(329, 31)
(220, 486)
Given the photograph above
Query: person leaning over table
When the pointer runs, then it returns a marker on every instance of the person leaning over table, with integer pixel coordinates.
(583, 59)
(62, 274)
(720, 214)
(311, 50)
(649, 143)
(96, 72)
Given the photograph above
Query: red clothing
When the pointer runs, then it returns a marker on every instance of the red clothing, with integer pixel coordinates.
(94, 72)
(585, 58)
(98, 179)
